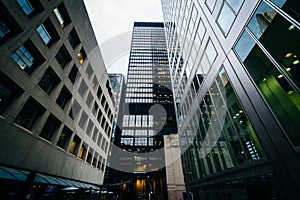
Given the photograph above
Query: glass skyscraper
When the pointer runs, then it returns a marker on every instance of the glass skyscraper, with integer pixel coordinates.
(235, 76)
(148, 118)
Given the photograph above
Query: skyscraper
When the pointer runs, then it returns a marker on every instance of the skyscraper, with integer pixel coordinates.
(149, 123)
(56, 103)
(235, 76)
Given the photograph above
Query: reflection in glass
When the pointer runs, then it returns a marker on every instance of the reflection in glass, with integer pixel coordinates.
(220, 135)
(286, 49)
(211, 4)
(235, 4)
(226, 18)
(278, 92)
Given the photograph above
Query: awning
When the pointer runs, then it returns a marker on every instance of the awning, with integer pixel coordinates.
(21, 175)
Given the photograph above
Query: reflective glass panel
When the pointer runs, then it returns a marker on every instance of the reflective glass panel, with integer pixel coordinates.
(226, 18)
(277, 91)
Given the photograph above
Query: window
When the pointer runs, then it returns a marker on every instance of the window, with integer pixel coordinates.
(82, 88)
(95, 108)
(9, 91)
(64, 138)
(226, 18)
(95, 134)
(63, 57)
(89, 128)
(235, 4)
(99, 115)
(95, 83)
(43, 34)
(89, 99)
(89, 156)
(81, 55)
(273, 83)
(62, 15)
(82, 152)
(103, 100)
(73, 38)
(29, 114)
(8, 26)
(83, 119)
(75, 145)
(47, 32)
(26, 6)
(74, 110)
(211, 52)
(50, 127)
(95, 159)
(63, 97)
(27, 57)
(99, 92)
(89, 71)
(210, 4)
(73, 74)
(49, 81)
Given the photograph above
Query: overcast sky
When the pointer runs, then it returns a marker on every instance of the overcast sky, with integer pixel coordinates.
(112, 21)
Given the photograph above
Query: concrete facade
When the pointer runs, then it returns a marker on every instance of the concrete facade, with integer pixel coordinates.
(40, 147)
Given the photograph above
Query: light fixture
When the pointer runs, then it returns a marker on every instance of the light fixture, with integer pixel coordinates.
(264, 79)
(288, 69)
(290, 92)
(288, 55)
(280, 76)
(296, 62)
(292, 27)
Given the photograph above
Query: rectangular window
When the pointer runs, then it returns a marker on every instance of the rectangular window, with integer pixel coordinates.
(226, 18)
(73, 75)
(26, 6)
(64, 97)
(50, 127)
(29, 114)
(75, 145)
(89, 156)
(9, 91)
(47, 32)
(89, 128)
(62, 16)
(82, 89)
(83, 119)
(73, 38)
(82, 152)
(43, 34)
(49, 81)
(210, 4)
(89, 71)
(63, 57)
(89, 99)
(27, 57)
(81, 55)
(95, 134)
(64, 138)
(210, 51)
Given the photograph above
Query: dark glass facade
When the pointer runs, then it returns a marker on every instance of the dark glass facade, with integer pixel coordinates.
(148, 115)
(235, 75)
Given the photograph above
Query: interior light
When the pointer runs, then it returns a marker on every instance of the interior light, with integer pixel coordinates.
(292, 27)
(288, 69)
(280, 76)
(80, 57)
(296, 62)
(288, 55)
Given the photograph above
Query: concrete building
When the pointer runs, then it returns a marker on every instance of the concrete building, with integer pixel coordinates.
(56, 101)
(235, 76)
(143, 160)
